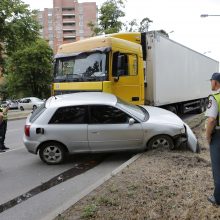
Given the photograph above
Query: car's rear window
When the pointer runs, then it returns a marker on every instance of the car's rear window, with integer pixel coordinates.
(37, 112)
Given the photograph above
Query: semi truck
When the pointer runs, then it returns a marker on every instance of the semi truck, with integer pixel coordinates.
(140, 68)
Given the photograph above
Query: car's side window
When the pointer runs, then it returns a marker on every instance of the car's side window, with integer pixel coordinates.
(103, 114)
(70, 115)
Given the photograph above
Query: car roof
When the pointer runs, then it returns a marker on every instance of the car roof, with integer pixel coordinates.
(82, 98)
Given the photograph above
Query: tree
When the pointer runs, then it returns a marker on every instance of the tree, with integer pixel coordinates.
(29, 70)
(109, 19)
(131, 26)
(144, 24)
(18, 26)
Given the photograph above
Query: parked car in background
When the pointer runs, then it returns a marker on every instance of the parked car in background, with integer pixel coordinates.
(12, 104)
(100, 122)
(29, 103)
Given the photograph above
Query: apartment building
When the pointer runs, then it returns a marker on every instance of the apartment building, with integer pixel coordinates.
(67, 21)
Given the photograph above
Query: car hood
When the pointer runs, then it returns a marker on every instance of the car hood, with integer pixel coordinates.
(163, 116)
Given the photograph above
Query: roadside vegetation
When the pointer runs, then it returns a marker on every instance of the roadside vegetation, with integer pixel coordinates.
(25, 58)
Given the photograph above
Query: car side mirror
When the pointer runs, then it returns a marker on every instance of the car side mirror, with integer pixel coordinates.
(131, 121)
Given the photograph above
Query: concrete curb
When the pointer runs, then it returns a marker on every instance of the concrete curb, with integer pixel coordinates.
(17, 118)
(84, 193)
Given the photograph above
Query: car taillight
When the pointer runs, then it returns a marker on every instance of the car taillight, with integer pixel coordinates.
(27, 130)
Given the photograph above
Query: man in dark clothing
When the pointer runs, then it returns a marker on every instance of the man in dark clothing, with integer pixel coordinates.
(4, 111)
(1, 133)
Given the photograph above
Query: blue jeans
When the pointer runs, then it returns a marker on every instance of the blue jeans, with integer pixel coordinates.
(215, 160)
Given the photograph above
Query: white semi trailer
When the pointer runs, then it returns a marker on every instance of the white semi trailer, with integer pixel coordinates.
(176, 76)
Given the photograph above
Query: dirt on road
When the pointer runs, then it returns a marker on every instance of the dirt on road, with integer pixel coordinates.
(161, 184)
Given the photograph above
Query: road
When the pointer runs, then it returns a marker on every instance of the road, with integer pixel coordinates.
(30, 189)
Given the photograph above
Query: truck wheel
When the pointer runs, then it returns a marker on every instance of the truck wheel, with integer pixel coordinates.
(202, 106)
(172, 109)
(161, 141)
(52, 153)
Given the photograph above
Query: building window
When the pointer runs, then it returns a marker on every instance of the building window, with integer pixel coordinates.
(80, 10)
(68, 9)
(69, 31)
(68, 16)
(69, 24)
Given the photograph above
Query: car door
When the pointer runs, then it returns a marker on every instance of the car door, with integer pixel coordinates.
(26, 103)
(69, 126)
(109, 130)
(29, 104)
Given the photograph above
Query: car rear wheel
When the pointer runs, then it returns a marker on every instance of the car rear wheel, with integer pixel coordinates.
(21, 108)
(52, 153)
(163, 141)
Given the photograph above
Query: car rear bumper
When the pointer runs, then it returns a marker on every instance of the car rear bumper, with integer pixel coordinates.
(31, 146)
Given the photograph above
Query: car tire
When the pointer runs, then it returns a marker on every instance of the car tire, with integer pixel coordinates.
(52, 153)
(21, 108)
(34, 107)
(163, 141)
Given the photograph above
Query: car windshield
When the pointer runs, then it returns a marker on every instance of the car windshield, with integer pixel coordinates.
(135, 110)
(81, 68)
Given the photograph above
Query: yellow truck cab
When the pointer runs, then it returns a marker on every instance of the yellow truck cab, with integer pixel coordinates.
(111, 63)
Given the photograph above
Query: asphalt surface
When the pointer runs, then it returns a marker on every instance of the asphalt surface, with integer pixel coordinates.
(33, 190)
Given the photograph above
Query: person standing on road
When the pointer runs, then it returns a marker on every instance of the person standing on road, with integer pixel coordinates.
(1, 132)
(213, 135)
(4, 111)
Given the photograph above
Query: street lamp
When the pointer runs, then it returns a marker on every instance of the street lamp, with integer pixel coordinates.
(207, 15)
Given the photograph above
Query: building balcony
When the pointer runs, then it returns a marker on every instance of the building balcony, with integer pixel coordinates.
(69, 37)
(68, 14)
(68, 20)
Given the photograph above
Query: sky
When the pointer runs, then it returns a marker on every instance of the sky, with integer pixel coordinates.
(180, 18)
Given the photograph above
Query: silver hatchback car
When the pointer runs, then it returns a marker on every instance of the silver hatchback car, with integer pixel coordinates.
(98, 122)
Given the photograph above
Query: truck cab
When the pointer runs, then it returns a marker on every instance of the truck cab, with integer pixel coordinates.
(111, 63)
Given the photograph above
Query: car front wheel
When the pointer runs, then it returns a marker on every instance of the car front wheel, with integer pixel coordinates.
(21, 108)
(163, 141)
(52, 153)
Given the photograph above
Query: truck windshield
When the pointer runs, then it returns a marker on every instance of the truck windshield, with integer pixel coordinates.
(81, 68)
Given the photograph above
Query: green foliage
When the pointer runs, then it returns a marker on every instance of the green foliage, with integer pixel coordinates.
(133, 26)
(89, 211)
(3, 91)
(18, 26)
(144, 24)
(29, 70)
(109, 18)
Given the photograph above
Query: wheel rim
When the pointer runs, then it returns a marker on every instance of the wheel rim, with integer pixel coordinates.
(160, 142)
(52, 154)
